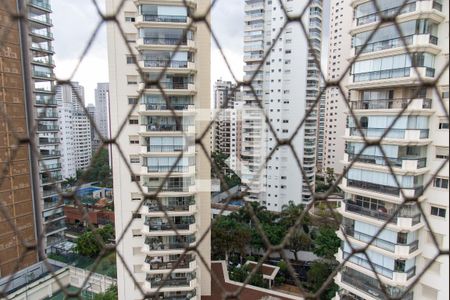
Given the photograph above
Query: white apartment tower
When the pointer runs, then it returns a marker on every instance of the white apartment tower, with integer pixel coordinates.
(227, 126)
(339, 46)
(102, 109)
(75, 131)
(287, 85)
(153, 139)
(385, 80)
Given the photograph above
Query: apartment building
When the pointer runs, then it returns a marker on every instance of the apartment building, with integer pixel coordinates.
(384, 81)
(75, 129)
(102, 117)
(158, 142)
(39, 41)
(339, 46)
(320, 132)
(95, 140)
(16, 189)
(286, 85)
(227, 126)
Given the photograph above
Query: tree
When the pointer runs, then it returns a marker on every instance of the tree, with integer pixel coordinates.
(98, 171)
(229, 235)
(317, 275)
(109, 294)
(291, 212)
(90, 243)
(326, 243)
(70, 181)
(240, 274)
(299, 241)
(330, 176)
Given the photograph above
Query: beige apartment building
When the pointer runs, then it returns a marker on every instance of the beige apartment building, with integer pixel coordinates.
(160, 36)
(384, 81)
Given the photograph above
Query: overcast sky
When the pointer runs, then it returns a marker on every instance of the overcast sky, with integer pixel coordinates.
(75, 22)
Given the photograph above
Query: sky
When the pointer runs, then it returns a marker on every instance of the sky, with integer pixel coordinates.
(76, 21)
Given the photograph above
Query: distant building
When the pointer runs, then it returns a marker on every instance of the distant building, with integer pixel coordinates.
(75, 130)
(102, 109)
(95, 140)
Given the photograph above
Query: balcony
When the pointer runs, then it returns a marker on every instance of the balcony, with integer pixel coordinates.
(46, 168)
(385, 189)
(406, 217)
(158, 42)
(167, 169)
(47, 115)
(51, 228)
(156, 264)
(158, 108)
(400, 250)
(409, 73)
(42, 19)
(393, 133)
(171, 187)
(183, 208)
(160, 243)
(170, 283)
(169, 64)
(162, 19)
(48, 141)
(46, 75)
(44, 34)
(398, 275)
(405, 163)
(370, 286)
(51, 179)
(392, 104)
(47, 101)
(41, 4)
(50, 153)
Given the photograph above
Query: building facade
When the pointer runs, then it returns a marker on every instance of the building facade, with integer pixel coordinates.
(385, 81)
(227, 125)
(102, 118)
(320, 132)
(16, 189)
(39, 43)
(158, 138)
(286, 86)
(75, 129)
(335, 104)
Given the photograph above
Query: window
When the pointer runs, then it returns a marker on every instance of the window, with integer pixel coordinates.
(438, 211)
(133, 121)
(130, 19)
(135, 160)
(130, 60)
(443, 125)
(135, 178)
(441, 152)
(132, 100)
(440, 183)
(134, 140)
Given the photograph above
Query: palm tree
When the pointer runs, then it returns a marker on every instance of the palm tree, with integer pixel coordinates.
(70, 181)
(291, 212)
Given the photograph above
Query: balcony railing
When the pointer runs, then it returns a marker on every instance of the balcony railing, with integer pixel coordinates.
(51, 179)
(385, 189)
(164, 169)
(392, 132)
(153, 206)
(46, 167)
(165, 127)
(375, 17)
(156, 264)
(178, 282)
(351, 206)
(49, 115)
(384, 74)
(50, 153)
(389, 103)
(176, 64)
(164, 18)
(381, 160)
(159, 227)
(41, 3)
(42, 74)
(164, 41)
(373, 289)
(169, 188)
(48, 141)
(49, 101)
(366, 238)
(385, 44)
(165, 148)
(167, 107)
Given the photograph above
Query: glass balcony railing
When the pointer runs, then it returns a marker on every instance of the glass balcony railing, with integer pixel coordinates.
(163, 244)
(393, 133)
(46, 167)
(164, 18)
(41, 3)
(176, 64)
(157, 264)
(383, 213)
(165, 148)
(169, 207)
(165, 127)
(399, 103)
(165, 169)
(51, 179)
(376, 16)
(50, 153)
(47, 141)
(42, 74)
(176, 282)
(371, 286)
(164, 41)
(385, 189)
(382, 161)
(166, 107)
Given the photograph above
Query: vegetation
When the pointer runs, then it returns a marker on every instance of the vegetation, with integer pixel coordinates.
(240, 274)
(109, 294)
(327, 243)
(317, 275)
(235, 236)
(231, 179)
(88, 244)
(323, 184)
(99, 171)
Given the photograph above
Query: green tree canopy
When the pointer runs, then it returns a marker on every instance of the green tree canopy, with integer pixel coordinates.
(326, 243)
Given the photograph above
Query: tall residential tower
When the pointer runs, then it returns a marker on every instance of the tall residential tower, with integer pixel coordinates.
(153, 139)
(287, 85)
(396, 73)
